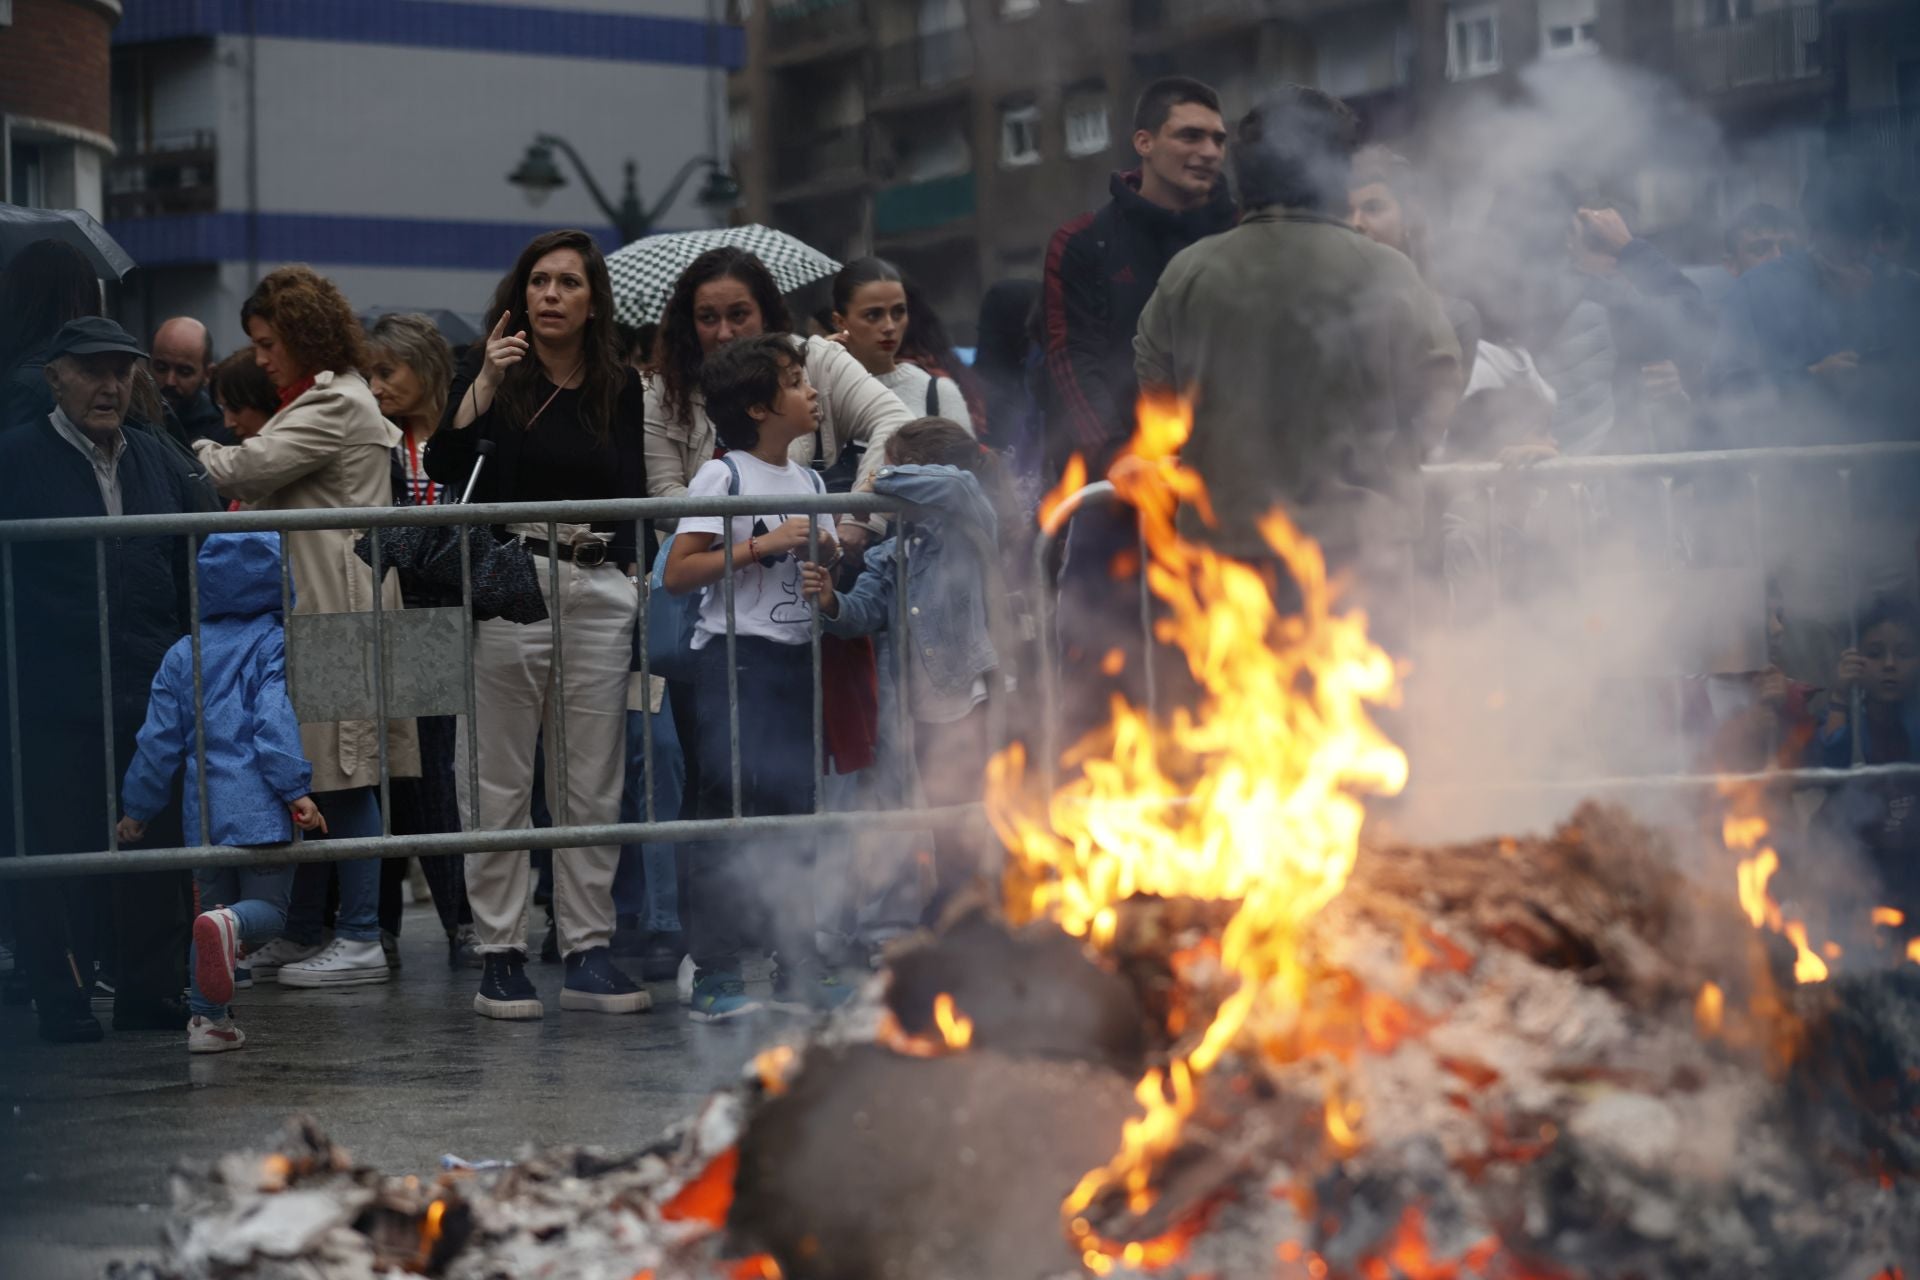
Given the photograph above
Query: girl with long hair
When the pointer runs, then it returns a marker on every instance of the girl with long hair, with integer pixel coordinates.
(873, 315)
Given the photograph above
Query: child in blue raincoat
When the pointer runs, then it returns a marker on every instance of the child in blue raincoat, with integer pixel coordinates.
(257, 775)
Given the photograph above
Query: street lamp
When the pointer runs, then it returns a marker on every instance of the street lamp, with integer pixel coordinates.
(539, 175)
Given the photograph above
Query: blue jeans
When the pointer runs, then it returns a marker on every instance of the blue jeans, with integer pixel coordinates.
(648, 881)
(353, 812)
(258, 896)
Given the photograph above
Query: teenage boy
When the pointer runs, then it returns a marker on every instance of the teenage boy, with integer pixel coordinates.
(745, 892)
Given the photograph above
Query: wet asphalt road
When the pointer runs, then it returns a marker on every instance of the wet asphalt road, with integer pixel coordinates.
(400, 1074)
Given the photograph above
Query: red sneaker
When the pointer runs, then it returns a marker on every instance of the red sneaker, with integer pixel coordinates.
(216, 948)
(213, 1035)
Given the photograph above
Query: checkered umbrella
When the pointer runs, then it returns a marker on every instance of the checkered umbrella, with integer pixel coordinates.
(645, 271)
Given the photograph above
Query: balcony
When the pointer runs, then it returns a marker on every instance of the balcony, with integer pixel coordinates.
(813, 30)
(1165, 22)
(174, 175)
(913, 209)
(924, 65)
(1769, 49)
(822, 163)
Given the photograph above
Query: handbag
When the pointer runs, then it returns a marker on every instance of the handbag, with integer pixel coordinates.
(506, 585)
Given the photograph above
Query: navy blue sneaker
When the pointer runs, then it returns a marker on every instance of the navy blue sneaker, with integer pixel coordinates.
(593, 984)
(505, 990)
(720, 997)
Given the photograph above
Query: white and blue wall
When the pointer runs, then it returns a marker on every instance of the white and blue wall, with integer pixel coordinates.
(372, 138)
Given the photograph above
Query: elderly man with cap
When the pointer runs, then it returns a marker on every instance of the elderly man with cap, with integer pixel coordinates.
(182, 363)
(82, 461)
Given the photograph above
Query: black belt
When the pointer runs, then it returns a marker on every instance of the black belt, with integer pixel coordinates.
(588, 555)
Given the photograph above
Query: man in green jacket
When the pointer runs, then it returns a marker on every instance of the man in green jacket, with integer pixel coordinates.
(1322, 369)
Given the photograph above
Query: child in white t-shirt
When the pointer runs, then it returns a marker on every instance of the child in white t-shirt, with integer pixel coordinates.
(741, 892)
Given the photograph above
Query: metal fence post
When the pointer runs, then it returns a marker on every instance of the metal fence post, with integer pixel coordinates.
(733, 666)
(473, 693)
(561, 808)
(380, 686)
(15, 747)
(199, 689)
(106, 693)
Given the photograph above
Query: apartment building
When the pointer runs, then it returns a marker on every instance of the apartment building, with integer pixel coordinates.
(375, 139)
(55, 139)
(953, 135)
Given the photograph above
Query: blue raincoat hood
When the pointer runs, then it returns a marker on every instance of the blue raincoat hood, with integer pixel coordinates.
(945, 490)
(240, 575)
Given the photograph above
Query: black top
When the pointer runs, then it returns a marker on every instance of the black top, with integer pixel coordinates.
(561, 459)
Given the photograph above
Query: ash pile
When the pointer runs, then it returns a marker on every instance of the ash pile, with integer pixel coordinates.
(1513, 1060)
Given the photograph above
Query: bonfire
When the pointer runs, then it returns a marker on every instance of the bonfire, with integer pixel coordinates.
(1215, 1030)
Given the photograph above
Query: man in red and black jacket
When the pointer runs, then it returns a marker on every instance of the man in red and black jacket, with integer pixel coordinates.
(1103, 266)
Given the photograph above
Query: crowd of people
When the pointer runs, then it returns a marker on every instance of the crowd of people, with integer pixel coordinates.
(1331, 329)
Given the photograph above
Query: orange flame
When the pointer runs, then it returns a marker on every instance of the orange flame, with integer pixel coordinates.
(1913, 950)
(1709, 1010)
(709, 1197)
(1254, 796)
(1073, 478)
(1743, 830)
(956, 1028)
(760, 1266)
(774, 1067)
(1889, 917)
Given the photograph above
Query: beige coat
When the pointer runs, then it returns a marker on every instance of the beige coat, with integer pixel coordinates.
(854, 405)
(328, 448)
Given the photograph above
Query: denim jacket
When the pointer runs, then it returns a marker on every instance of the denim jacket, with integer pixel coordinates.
(947, 584)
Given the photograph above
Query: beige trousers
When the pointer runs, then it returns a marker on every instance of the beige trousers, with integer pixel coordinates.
(518, 695)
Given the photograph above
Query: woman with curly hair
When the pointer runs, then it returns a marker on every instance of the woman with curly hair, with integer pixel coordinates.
(326, 447)
(552, 392)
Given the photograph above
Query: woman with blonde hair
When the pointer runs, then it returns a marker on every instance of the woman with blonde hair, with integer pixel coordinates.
(410, 368)
(326, 447)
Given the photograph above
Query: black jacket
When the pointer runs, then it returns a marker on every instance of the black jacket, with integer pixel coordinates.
(56, 602)
(1101, 268)
(202, 420)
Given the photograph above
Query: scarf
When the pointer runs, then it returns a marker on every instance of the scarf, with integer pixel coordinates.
(289, 394)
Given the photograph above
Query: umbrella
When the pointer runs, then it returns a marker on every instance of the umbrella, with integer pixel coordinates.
(645, 271)
(21, 226)
(458, 328)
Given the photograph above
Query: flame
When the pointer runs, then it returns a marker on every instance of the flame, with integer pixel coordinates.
(1743, 830)
(1709, 1010)
(774, 1067)
(431, 1228)
(1889, 917)
(1073, 478)
(709, 1197)
(1340, 1121)
(760, 1266)
(1253, 797)
(956, 1028)
(1913, 950)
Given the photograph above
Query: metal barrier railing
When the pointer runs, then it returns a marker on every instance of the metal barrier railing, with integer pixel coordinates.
(1579, 474)
(416, 674)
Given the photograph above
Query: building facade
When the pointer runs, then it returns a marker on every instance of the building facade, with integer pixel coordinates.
(55, 132)
(954, 135)
(374, 139)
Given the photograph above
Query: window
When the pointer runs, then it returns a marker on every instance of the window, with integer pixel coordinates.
(1567, 28)
(1020, 135)
(1012, 9)
(1087, 124)
(1473, 41)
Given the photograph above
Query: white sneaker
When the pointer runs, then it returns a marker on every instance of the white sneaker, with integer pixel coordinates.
(344, 963)
(685, 980)
(267, 961)
(214, 1035)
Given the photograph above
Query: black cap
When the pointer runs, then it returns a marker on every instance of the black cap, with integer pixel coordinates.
(89, 335)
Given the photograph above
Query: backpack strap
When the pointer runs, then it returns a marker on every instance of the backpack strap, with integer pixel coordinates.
(733, 476)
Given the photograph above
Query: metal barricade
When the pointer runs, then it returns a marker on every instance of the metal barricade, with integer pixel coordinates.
(382, 665)
(1842, 462)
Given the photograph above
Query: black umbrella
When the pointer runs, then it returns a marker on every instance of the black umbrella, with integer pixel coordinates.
(505, 582)
(460, 330)
(21, 226)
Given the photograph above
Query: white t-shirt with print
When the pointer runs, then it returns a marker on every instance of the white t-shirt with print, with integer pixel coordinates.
(766, 595)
